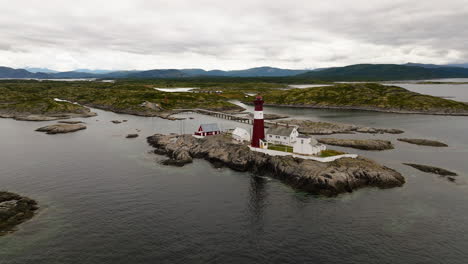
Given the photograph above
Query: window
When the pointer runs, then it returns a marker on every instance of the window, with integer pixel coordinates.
(284, 137)
(269, 135)
(302, 141)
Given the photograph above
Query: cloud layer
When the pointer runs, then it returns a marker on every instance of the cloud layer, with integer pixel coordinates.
(144, 34)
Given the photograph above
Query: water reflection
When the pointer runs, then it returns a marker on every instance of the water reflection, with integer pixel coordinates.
(257, 200)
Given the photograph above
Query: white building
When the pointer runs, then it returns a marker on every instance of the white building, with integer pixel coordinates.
(307, 146)
(240, 134)
(282, 135)
(289, 136)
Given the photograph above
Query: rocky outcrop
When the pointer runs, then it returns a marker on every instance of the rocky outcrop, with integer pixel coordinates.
(151, 105)
(431, 169)
(343, 175)
(14, 210)
(61, 128)
(325, 128)
(423, 142)
(364, 144)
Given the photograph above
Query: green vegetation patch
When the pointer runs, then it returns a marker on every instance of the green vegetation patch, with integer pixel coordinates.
(280, 147)
(330, 153)
(122, 96)
(365, 96)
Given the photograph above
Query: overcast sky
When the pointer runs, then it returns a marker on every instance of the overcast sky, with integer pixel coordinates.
(217, 34)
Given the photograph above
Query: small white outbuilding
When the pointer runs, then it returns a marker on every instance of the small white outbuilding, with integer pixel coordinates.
(240, 134)
(307, 146)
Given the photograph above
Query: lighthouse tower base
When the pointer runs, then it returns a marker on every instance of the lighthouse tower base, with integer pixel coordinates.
(258, 133)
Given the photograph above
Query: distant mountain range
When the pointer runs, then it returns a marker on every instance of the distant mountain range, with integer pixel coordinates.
(358, 72)
(42, 73)
(462, 65)
(385, 72)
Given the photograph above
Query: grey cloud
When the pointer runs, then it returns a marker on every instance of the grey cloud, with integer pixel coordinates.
(231, 35)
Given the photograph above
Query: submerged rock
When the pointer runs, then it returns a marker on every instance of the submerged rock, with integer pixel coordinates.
(132, 136)
(364, 144)
(431, 169)
(116, 121)
(61, 128)
(372, 130)
(423, 142)
(14, 210)
(342, 175)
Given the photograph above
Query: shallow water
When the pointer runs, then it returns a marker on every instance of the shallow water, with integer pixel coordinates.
(175, 90)
(105, 199)
(303, 86)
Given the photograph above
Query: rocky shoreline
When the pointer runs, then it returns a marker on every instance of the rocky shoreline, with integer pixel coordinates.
(373, 109)
(363, 144)
(329, 179)
(14, 210)
(326, 128)
(45, 117)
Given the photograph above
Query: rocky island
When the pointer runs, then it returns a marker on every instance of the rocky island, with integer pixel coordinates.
(14, 210)
(366, 96)
(329, 179)
(21, 102)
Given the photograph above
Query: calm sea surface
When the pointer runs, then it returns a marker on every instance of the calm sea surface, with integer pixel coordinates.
(457, 92)
(105, 199)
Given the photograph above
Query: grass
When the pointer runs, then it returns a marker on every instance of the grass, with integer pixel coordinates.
(330, 153)
(279, 147)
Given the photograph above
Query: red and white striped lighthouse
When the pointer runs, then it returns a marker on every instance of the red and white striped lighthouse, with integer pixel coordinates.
(258, 125)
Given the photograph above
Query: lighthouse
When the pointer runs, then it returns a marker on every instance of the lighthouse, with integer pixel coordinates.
(258, 125)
